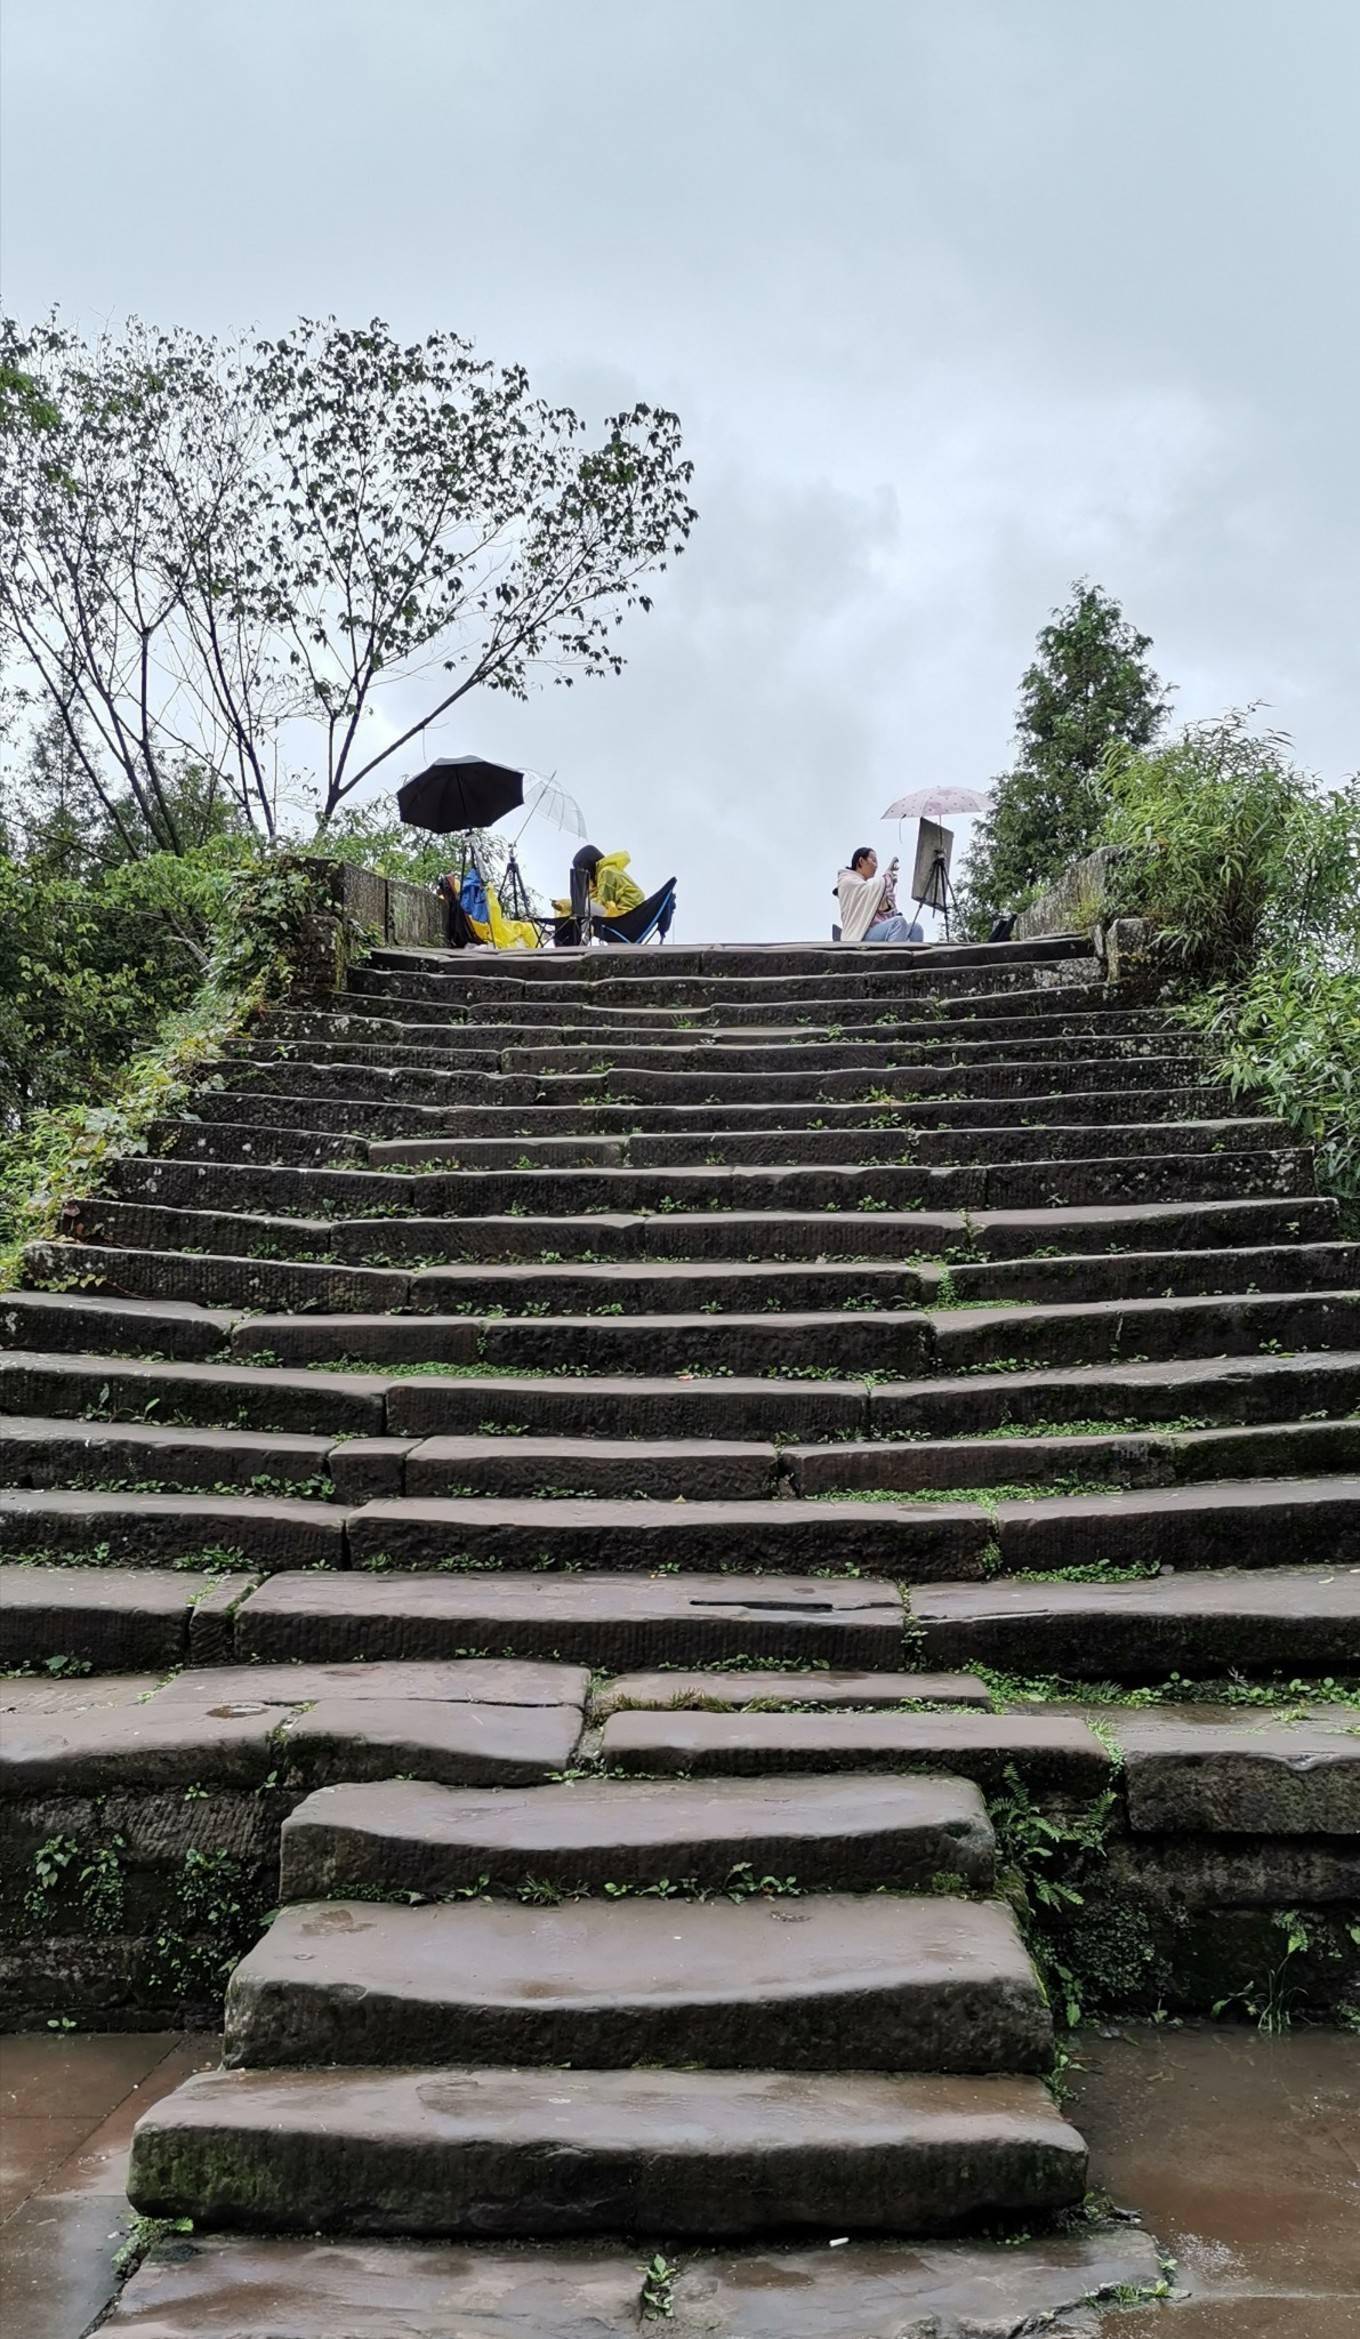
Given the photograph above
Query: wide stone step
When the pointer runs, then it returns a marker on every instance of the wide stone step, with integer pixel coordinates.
(828, 1982)
(313, 1196)
(209, 2287)
(781, 965)
(367, 1407)
(916, 1541)
(1051, 1754)
(664, 1469)
(261, 1112)
(475, 2152)
(401, 1838)
(1036, 1074)
(236, 1146)
(867, 1048)
(1264, 1621)
(612, 1621)
(1059, 1008)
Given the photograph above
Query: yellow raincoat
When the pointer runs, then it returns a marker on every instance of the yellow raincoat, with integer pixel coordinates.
(612, 891)
(505, 933)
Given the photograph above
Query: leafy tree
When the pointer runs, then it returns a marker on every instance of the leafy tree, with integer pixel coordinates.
(221, 556)
(1089, 688)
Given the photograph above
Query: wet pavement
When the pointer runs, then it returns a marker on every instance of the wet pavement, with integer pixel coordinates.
(67, 2108)
(1241, 2153)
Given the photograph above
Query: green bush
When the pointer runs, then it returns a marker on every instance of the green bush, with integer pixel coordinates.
(1231, 852)
(1248, 872)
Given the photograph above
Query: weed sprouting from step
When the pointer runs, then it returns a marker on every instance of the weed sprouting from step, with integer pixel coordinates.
(659, 2276)
(145, 2234)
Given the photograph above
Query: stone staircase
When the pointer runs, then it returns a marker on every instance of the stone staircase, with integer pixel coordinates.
(578, 1451)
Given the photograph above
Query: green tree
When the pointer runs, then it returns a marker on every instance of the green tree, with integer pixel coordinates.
(1089, 688)
(219, 557)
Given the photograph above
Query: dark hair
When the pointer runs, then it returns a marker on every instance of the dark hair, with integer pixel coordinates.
(587, 858)
(860, 853)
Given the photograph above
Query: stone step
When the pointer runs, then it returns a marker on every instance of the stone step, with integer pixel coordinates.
(1245, 1774)
(612, 1621)
(312, 1196)
(111, 1619)
(240, 1146)
(763, 1687)
(217, 1395)
(160, 1530)
(1227, 1390)
(253, 1743)
(850, 1342)
(1055, 1072)
(263, 1111)
(873, 1050)
(1050, 1754)
(908, 1541)
(1103, 1331)
(181, 1329)
(828, 1982)
(1121, 1457)
(37, 1452)
(1280, 1621)
(401, 1839)
(229, 1279)
(374, 1406)
(476, 2152)
(781, 966)
(666, 1469)
(1278, 1267)
(354, 1016)
(209, 2287)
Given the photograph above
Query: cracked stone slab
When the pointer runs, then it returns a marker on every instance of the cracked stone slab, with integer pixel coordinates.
(460, 1744)
(467, 1680)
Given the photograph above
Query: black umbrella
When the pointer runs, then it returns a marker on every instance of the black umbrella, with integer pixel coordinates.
(460, 791)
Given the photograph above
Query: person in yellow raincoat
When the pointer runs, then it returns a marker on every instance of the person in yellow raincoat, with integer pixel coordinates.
(600, 886)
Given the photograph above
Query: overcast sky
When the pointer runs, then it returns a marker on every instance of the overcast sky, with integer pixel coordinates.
(958, 300)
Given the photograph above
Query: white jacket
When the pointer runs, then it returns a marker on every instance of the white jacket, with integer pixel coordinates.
(861, 901)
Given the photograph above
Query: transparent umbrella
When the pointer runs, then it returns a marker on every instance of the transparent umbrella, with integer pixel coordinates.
(924, 803)
(547, 801)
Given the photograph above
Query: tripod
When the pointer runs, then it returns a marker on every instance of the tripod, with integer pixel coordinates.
(939, 893)
(514, 892)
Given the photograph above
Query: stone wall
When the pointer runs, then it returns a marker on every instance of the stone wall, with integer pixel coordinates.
(1073, 902)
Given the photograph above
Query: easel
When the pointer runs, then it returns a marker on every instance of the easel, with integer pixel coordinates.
(934, 847)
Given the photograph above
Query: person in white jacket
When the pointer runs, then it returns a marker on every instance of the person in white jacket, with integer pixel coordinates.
(868, 908)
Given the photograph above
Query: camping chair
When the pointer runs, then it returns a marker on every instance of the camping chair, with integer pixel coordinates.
(652, 916)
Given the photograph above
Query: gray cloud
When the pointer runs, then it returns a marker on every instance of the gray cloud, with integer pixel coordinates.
(958, 303)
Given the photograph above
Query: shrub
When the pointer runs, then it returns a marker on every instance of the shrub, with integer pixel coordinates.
(1249, 874)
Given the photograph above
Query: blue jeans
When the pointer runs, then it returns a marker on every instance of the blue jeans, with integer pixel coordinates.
(893, 930)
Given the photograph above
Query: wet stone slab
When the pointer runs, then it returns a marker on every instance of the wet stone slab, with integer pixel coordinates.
(219, 2288)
